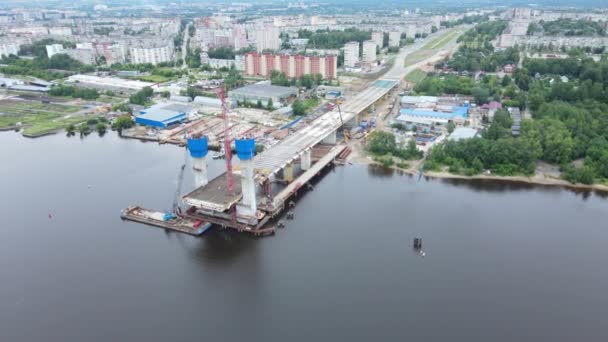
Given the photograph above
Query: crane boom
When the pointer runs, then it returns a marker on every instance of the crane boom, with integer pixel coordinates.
(227, 149)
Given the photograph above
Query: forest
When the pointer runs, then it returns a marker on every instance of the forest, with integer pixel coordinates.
(477, 53)
(327, 39)
(43, 67)
(570, 123)
(567, 27)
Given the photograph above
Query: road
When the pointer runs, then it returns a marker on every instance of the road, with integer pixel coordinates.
(399, 70)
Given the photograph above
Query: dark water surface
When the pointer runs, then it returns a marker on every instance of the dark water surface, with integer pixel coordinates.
(503, 262)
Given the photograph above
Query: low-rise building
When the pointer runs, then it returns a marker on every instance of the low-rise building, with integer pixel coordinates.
(163, 115)
(238, 62)
(108, 83)
(461, 133)
(263, 92)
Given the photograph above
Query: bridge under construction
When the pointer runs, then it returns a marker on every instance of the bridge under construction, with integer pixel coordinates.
(259, 188)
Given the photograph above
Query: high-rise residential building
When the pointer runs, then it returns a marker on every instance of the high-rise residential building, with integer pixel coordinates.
(378, 38)
(267, 38)
(257, 64)
(351, 54)
(369, 51)
(410, 31)
(152, 55)
(394, 37)
(8, 48)
(53, 49)
(112, 53)
(85, 56)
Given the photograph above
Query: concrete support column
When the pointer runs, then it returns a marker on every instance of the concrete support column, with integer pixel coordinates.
(288, 173)
(306, 160)
(248, 205)
(200, 171)
(330, 139)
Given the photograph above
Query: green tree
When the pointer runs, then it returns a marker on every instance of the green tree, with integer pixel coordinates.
(451, 126)
(380, 142)
(123, 122)
(298, 107)
(270, 104)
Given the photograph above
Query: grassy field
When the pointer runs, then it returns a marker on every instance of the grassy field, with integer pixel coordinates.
(52, 126)
(111, 99)
(442, 40)
(38, 118)
(431, 47)
(154, 78)
(415, 76)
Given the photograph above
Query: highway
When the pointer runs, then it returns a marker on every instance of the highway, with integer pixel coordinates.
(289, 149)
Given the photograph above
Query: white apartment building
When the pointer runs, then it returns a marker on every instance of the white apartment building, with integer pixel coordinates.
(369, 51)
(84, 56)
(378, 38)
(60, 31)
(238, 62)
(394, 37)
(8, 48)
(53, 49)
(410, 31)
(154, 55)
(351, 54)
(267, 38)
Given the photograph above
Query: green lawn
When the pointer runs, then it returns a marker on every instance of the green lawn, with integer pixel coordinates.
(38, 118)
(311, 103)
(51, 126)
(154, 78)
(415, 76)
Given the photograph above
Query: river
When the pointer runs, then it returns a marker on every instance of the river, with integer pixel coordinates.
(504, 262)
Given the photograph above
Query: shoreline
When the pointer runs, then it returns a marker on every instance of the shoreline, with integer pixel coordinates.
(537, 179)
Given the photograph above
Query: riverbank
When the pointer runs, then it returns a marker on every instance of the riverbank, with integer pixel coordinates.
(359, 156)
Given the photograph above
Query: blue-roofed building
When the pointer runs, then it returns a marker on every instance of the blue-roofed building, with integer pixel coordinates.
(442, 117)
(163, 115)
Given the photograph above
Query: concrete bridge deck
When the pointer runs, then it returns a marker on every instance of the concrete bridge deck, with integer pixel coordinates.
(276, 158)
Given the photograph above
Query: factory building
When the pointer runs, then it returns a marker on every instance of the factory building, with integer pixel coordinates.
(107, 83)
(263, 92)
(351, 54)
(163, 115)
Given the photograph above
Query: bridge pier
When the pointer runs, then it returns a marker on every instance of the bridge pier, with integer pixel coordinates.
(331, 139)
(245, 149)
(288, 173)
(306, 160)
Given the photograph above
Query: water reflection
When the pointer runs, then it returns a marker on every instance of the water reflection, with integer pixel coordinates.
(223, 247)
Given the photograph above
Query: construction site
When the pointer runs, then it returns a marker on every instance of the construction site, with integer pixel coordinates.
(252, 195)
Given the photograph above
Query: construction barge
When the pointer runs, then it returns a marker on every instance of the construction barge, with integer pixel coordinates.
(199, 218)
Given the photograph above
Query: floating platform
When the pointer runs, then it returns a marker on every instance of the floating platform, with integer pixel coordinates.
(156, 218)
(192, 224)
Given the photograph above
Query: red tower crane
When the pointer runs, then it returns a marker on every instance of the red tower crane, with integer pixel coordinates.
(221, 93)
